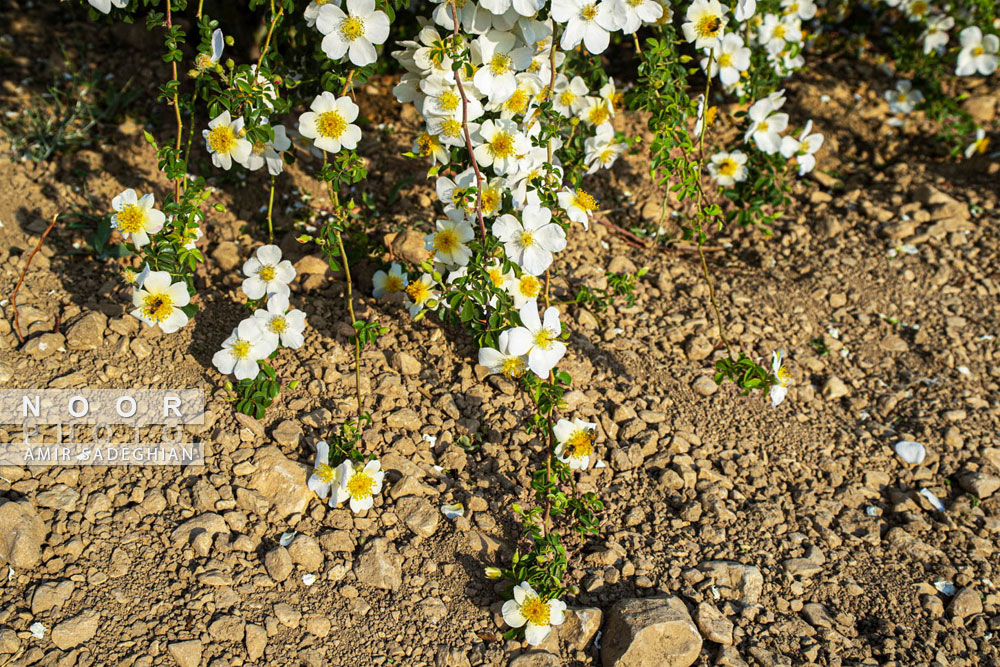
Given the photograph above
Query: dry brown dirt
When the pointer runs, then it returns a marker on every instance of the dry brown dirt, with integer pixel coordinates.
(882, 348)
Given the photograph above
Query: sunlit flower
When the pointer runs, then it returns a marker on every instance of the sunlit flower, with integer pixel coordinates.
(324, 476)
(205, 61)
(500, 144)
(745, 9)
(267, 273)
(728, 168)
(448, 243)
(225, 140)
(158, 302)
(522, 289)
(429, 145)
(980, 145)
(420, 294)
(355, 33)
(269, 152)
(766, 126)
(587, 21)
(538, 338)
(537, 615)
(104, 6)
(579, 205)
(804, 9)
(135, 218)
(777, 31)
(779, 390)
(729, 59)
(803, 149)
(904, 98)
(630, 15)
(978, 54)
(601, 150)
(500, 360)
(568, 95)
(359, 484)
(576, 442)
(530, 242)
(242, 351)
(328, 123)
(705, 22)
(392, 282)
(935, 35)
(280, 324)
(502, 59)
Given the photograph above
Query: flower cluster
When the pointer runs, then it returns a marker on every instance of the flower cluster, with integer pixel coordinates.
(274, 325)
(357, 483)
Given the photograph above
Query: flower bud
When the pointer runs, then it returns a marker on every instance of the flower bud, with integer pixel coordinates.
(493, 573)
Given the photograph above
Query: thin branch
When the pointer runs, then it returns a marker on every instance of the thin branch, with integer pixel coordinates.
(24, 272)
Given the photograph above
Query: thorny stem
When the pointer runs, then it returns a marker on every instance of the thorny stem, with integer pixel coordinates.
(699, 236)
(552, 78)
(177, 106)
(267, 40)
(347, 82)
(24, 272)
(335, 201)
(468, 138)
(270, 208)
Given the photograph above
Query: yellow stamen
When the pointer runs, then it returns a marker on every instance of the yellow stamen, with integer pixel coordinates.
(331, 124)
(448, 101)
(502, 146)
(589, 12)
(157, 307)
(513, 367)
(418, 291)
(278, 324)
(222, 139)
(580, 444)
(352, 28)
(393, 283)
(360, 486)
(585, 201)
(130, 219)
(536, 611)
(325, 472)
(708, 26)
(529, 286)
(544, 338)
(266, 273)
(446, 241)
(500, 64)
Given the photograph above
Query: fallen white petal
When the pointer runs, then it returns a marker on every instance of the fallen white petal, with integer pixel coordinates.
(37, 630)
(286, 538)
(911, 452)
(309, 579)
(453, 511)
(932, 499)
(945, 587)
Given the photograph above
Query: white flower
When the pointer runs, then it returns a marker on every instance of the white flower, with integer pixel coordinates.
(523, 289)
(267, 273)
(705, 21)
(135, 216)
(745, 9)
(501, 61)
(359, 484)
(392, 282)
(587, 21)
(568, 95)
(204, 61)
(978, 54)
(917, 10)
(779, 390)
(442, 98)
(729, 58)
(158, 302)
(804, 9)
(104, 6)
(579, 205)
(936, 34)
(421, 294)
(980, 145)
(596, 111)
(530, 242)
(576, 442)
(766, 126)
(279, 325)
(601, 150)
(500, 360)
(538, 338)
(355, 33)
(311, 12)
(802, 149)
(269, 152)
(631, 14)
(520, 101)
(225, 140)
(324, 476)
(329, 122)
(528, 609)
(500, 142)
(728, 168)
(242, 350)
(904, 98)
(448, 243)
(428, 145)
(776, 31)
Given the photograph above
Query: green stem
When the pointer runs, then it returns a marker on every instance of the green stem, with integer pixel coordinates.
(270, 208)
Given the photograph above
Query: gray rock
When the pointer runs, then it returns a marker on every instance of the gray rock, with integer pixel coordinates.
(287, 433)
(87, 333)
(278, 563)
(59, 497)
(281, 481)
(76, 630)
(705, 386)
(44, 346)
(979, 484)
(22, 533)
(835, 388)
(580, 626)
(228, 628)
(255, 640)
(227, 256)
(378, 568)
(434, 609)
(536, 659)
(418, 514)
(713, 625)
(406, 364)
(966, 603)
(305, 552)
(210, 523)
(287, 615)
(186, 654)
(735, 581)
(650, 631)
(801, 567)
(405, 418)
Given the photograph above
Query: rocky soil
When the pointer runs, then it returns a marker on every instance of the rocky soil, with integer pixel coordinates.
(735, 534)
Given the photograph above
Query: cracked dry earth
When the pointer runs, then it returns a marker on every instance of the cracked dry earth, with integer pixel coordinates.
(790, 536)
